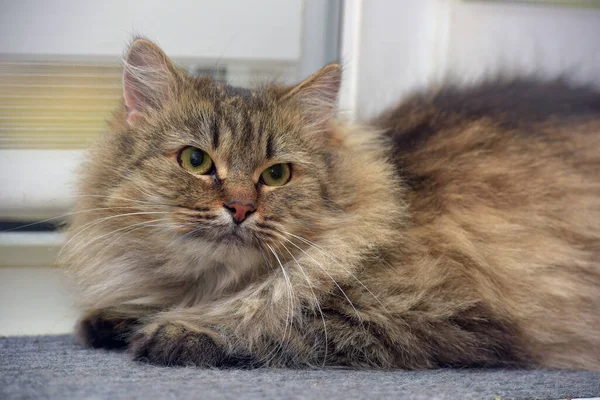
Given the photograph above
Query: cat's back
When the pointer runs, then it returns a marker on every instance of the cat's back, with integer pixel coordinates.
(513, 101)
(519, 107)
(497, 130)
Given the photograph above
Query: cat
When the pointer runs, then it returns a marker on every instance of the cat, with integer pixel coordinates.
(226, 227)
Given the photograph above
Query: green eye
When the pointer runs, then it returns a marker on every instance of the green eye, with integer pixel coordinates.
(276, 175)
(195, 161)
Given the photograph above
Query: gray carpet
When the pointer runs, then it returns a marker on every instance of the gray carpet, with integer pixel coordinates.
(52, 367)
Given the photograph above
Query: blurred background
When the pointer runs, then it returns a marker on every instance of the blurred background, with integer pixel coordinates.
(60, 79)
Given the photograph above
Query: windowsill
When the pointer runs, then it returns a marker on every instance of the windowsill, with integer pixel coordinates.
(37, 184)
(35, 300)
(30, 249)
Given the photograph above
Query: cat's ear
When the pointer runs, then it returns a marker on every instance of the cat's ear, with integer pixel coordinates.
(317, 95)
(149, 79)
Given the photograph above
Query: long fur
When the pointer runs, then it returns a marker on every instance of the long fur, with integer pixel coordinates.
(461, 228)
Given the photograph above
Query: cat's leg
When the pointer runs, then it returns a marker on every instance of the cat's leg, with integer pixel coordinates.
(102, 329)
(170, 343)
(216, 336)
(259, 326)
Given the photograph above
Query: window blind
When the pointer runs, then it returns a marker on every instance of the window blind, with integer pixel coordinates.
(65, 105)
(52, 105)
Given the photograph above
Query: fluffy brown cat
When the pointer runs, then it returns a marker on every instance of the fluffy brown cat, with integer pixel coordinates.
(219, 226)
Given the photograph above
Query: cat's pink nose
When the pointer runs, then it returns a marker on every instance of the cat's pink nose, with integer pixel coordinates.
(239, 210)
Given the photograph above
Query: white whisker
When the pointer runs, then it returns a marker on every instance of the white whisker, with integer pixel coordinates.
(68, 214)
(329, 275)
(136, 227)
(316, 300)
(96, 222)
(94, 239)
(308, 242)
(290, 312)
(273, 353)
(117, 198)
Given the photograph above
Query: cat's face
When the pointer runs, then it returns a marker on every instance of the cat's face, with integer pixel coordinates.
(216, 168)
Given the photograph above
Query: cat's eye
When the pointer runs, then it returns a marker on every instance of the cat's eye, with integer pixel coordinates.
(195, 161)
(276, 175)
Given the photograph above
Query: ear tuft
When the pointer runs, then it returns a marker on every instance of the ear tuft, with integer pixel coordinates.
(317, 95)
(149, 78)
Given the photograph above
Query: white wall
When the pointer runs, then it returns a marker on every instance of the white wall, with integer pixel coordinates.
(237, 29)
(320, 38)
(547, 41)
(399, 44)
(406, 44)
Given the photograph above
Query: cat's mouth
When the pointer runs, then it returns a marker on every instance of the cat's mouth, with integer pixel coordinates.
(231, 236)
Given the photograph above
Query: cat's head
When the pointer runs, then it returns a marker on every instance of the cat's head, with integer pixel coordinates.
(206, 166)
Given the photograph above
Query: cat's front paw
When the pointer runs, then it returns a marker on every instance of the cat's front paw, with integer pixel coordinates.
(101, 331)
(171, 344)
